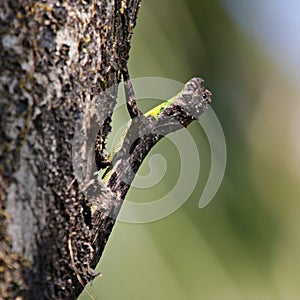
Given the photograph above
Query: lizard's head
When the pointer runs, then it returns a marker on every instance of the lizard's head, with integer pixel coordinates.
(190, 103)
(195, 97)
(195, 87)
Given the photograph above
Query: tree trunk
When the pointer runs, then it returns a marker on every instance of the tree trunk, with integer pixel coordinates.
(57, 59)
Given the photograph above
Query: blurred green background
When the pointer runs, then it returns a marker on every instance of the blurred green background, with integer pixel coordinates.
(245, 244)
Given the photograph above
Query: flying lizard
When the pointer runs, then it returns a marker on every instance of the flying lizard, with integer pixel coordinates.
(144, 130)
(117, 170)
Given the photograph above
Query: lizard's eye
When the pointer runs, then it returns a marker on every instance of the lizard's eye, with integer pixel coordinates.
(206, 96)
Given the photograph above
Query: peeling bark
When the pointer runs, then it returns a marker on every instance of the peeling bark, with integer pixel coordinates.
(57, 57)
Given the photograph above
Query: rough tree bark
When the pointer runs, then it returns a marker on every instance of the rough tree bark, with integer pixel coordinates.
(56, 58)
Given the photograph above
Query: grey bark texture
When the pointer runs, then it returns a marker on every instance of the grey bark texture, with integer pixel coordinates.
(56, 58)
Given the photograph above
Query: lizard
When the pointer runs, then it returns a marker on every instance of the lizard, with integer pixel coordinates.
(152, 115)
(142, 132)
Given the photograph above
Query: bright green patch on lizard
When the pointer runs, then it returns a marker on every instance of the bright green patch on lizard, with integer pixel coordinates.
(157, 110)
